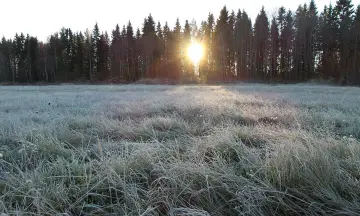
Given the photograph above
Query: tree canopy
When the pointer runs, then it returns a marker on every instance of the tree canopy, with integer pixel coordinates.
(290, 46)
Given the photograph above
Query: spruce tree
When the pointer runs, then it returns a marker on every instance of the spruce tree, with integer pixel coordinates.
(89, 56)
(222, 42)
(188, 67)
(103, 51)
(31, 49)
(311, 40)
(261, 33)
(344, 13)
(6, 74)
(19, 58)
(115, 53)
(79, 57)
(137, 55)
(231, 50)
(286, 38)
(149, 42)
(354, 76)
(52, 58)
(209, 48)
(242, 40)
(95, 57)
(299, 72)
(176, 51)
(166, 46)
(63, 56)
(274, 49)
(329, 62)
(130, 52)
(72, 54)
(281, 22)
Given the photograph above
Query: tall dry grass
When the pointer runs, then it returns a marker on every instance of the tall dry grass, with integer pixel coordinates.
(180, 150)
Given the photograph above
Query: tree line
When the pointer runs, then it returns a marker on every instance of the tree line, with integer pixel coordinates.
(287, 47)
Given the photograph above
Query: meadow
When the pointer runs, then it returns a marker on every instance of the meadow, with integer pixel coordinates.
(246, 149)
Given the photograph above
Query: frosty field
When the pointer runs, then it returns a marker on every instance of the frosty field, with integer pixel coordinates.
(179, 150)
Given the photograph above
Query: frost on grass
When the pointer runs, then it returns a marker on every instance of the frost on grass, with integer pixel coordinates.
(180, 150)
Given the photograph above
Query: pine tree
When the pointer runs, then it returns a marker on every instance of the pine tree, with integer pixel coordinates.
(243, 35)
(63, 56)
(130, 41)
(354, 76)
(239, 45)
(19, 58)
(197, 35)
(71, 51)
(149, 45)
(188, 67)
(149, 25)
(88, 56)
(27, 67)
(79, 57)
(311, 40)
(159, 53)
(138, 34)
(175, 51)
(41, 62)
(201, 37)
(103, 51)
(274, 49)
(286, 38)
(208, 52)
(52, 58)
(166, 47)
(281, 22)
(231, 49)
(261, 33)
(195, 31)
(329, 62)
(115, 54)
(159, 31)
(299, 72)
(95, 57)
(187, 33)
(123, 55)
(31, 50)
(137, 55)
(222, 42)
(344, 12)
(5, 61)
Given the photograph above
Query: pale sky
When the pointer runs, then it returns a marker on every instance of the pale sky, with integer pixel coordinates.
(42, 17)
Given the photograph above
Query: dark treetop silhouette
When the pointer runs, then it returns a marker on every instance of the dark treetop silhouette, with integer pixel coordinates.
(289, 47)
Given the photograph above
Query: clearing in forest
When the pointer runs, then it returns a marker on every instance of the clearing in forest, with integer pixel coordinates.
(197, 150)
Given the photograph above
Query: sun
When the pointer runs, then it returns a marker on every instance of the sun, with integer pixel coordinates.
(195, 52)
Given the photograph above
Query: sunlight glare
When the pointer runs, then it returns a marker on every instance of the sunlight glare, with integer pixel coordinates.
(195, 52)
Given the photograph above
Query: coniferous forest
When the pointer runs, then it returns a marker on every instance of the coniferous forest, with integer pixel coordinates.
(292, 46)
